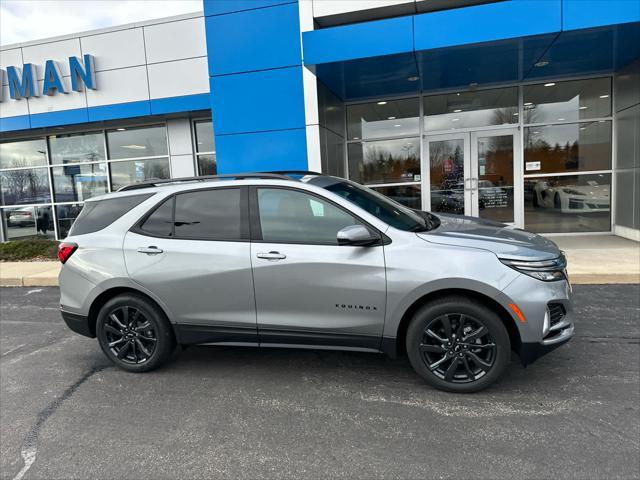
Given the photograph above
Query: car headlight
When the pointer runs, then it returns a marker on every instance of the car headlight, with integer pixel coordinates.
(545, 270)
(571, 191)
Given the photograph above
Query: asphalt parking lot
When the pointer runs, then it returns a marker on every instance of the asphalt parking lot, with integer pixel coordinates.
(222, 412)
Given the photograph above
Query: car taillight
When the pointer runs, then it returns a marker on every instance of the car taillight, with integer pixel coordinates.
(65, 250)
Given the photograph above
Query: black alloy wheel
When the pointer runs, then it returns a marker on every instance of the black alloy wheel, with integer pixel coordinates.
(134, 333)
(131, 337)
(458, 344)
(458, 348)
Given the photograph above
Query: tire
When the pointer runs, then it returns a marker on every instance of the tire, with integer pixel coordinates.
(557, 203)
(137, 322)
(477, 363)
(536, 202)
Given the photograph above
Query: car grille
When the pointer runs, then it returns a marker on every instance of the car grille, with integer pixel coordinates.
(556, 313)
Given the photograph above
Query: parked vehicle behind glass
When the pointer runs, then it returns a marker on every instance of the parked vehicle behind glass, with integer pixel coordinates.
(309, 261)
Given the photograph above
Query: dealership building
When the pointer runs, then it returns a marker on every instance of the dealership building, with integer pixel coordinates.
(522, 111)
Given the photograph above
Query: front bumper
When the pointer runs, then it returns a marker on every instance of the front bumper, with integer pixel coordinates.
(78, 323)
(530, 352)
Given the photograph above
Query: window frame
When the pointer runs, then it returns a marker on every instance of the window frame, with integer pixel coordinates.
(244, 216)
(256, 226)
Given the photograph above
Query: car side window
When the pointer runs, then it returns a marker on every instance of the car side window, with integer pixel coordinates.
(289, 216)
(209, 214)
(160, 222)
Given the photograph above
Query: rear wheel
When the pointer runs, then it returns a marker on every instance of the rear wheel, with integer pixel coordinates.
(458, 344)
(134, 333)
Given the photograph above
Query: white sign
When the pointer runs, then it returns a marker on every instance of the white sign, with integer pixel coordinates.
(533, 166)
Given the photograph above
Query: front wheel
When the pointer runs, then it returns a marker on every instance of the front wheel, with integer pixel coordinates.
(134, 333)
(457, 344)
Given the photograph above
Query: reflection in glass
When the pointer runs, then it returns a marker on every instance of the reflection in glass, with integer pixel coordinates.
(207, 165)
(30, 153)
(495, 178)
(408, 195)
(383, 119)
(572, 203)
(137, 142)
(471, 109)
(84, 147)
(386, 161)
(567, 101)
(567, 148)
(25, 186)
(25, 222)
(125, 173)
(204, 136)
(79, 182)
(67, 214)
(446, 168)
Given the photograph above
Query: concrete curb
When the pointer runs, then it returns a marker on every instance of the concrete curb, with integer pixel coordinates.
(29, 282)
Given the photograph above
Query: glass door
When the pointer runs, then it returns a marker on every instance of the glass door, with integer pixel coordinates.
(448, 174)
(474, 173)
(493, 175)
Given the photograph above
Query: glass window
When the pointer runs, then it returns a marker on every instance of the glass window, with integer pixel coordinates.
(571, 203)
(385, 161)
(79, 182)
(126, 173)
(471, 109)
(204, 137)
(380, 119)
(207, 165)
(408, 195)
(567, 148)
(160, 222)
(30, 153)
(209, 214)
(567, 101)
(28, 185)
(288, 216)
(67, 214)
(27, 222)
(137, 142)
(102, 213)
(84, 147)
(446, 168)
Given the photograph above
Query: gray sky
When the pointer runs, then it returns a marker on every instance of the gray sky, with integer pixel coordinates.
(24, 20)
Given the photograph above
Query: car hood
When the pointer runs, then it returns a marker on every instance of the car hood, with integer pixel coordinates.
(505, 241)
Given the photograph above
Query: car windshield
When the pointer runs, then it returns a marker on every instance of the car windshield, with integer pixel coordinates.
(387, 210)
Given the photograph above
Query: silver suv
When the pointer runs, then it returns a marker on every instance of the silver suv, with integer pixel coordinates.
(304, 260)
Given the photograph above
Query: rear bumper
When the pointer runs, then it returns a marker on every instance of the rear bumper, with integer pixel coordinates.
(78, 323)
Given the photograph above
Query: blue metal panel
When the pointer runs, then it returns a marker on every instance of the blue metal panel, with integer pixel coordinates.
(119, 110)
(9, 124)
(381, 37)
(219, 7)
(251, 152)
(486, 23)
(258, 101)
(62, 117)
(186, 103)
(596, 13)
(253, 40)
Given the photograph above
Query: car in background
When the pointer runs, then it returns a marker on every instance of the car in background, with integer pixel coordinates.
(590, 198)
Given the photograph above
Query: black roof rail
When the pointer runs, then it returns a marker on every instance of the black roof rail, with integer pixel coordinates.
(204, 178)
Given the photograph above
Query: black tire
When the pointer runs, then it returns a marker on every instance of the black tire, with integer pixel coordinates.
(557, 203)
(137, 323)
(478, 364)
(536, 203)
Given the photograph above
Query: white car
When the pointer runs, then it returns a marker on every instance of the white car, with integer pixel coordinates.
(591, 197)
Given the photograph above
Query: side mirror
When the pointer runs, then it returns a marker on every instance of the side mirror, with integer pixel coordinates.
(356, 235)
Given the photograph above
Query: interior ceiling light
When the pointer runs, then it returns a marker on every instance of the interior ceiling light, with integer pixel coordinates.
(397, 125)
(457, 111)
(413, 79)
(541, 63)
(527, 104)
(382, 103)
(561, 119)
(135, 147)
(550, 84)
(391, 118)
(516, 114)
(604, 96)
(583, 108)
(121, 129)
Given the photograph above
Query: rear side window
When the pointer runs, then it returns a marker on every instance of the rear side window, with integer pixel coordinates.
(98, 215)
(160, 222)
(209, 214)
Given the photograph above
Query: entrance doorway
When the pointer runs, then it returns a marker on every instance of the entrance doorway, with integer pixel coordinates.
(474, 173)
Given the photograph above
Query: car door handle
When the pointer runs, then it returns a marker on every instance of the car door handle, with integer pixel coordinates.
(271, 255)
(152, 250)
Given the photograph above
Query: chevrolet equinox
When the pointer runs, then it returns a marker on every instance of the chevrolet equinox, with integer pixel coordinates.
(304, 260)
